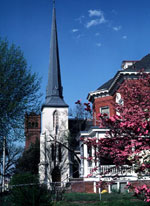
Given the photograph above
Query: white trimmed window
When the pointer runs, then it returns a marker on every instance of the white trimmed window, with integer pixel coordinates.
(105, 110)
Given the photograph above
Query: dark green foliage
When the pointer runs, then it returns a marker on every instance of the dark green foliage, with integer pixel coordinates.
(29, 160)
(18, 88)
(28, 192)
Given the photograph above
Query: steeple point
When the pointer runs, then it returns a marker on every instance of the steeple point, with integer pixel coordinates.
(53, 3)
(54, 92)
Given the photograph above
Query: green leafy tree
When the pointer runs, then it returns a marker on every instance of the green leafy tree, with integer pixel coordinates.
(19, 89)
(30, 159)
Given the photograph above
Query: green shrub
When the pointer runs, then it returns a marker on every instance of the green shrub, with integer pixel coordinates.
(26, 191)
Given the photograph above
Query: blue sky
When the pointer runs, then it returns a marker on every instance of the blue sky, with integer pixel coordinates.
(95, 36)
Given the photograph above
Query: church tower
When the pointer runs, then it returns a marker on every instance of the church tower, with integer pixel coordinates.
(54, 161)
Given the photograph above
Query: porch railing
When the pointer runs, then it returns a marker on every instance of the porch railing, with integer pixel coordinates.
(112, 170)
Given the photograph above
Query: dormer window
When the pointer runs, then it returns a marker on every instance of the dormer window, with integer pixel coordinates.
(127, 63)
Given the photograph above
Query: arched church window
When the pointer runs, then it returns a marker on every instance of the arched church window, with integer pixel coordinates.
(36, 124)
(59, 153)
(53, 152)
(32, 124)
(29, 124)
(55, 120)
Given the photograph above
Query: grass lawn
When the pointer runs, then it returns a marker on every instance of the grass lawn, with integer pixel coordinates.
(84, 199)
(114, 199)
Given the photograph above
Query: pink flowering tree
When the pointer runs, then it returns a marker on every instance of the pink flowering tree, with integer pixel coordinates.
(129, 128)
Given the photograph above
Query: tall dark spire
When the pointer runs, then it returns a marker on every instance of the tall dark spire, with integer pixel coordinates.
(54, 96)
(53, 3)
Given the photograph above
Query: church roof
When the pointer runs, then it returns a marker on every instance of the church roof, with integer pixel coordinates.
(54, 92)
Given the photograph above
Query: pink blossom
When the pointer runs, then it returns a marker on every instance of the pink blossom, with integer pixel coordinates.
(136, 190)
(99, 115)
(146, 132)
(144, 187)
(89, 175)
(112, 119)
(138, 129)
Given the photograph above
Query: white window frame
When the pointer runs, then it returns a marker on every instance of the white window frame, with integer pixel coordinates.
(105, 107)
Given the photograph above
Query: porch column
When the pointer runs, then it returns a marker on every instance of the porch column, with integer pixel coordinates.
(82, 159)
(118, 186)
(85, 160)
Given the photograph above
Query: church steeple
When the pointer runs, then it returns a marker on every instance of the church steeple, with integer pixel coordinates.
(54, 92)
(54, 120)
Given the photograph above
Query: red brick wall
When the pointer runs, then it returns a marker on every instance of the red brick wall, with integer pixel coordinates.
(88, 187)
(102, 102)
(85, 187)
(32, 129)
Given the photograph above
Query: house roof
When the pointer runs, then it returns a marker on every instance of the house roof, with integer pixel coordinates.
(144, 63)
(106, 85)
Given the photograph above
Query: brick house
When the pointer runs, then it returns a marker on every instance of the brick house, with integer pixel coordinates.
(103, 100)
